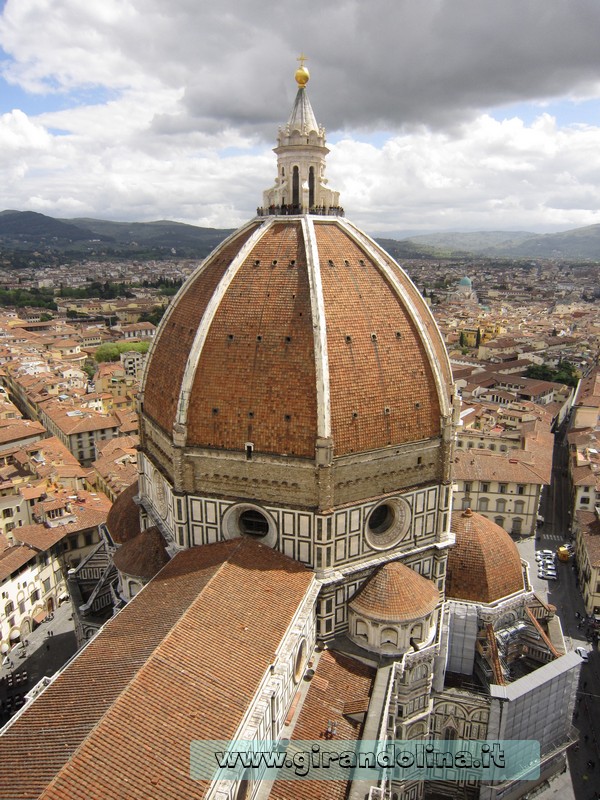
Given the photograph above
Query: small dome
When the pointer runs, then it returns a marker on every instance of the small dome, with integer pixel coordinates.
(396, 593)
(143, 556)
(465, 282)
(123, 520)
(484, 565)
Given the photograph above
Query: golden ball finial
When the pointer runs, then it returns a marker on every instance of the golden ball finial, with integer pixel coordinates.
(302, 74)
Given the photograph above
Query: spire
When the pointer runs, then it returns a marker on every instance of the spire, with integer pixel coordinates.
(300, 186)
(302, 118)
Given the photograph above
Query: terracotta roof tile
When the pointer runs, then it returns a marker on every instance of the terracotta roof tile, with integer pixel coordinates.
(484, 565)
(168, 356)
(589, 524)
(123, 520)
(383, 364)
(256, 375)
(181, 661)
(143, 556)
(327, 700)
(396, 593)
(12, 558)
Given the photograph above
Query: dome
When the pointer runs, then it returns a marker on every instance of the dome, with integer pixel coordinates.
(395, 593)
(484, 565)
(465, 282)
(297, 329)
(123, 520)
(143, 555)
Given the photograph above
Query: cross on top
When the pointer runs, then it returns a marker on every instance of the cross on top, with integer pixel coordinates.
(302, 58)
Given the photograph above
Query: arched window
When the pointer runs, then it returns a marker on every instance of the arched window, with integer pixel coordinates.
(519, 506)
(500, 505)
(499, 521)
(421, 673)
(517, 525)
(482, 504)
(416, 632)
(311, 187)
(389, 637)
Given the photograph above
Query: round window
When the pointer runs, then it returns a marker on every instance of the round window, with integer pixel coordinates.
(249, 521)
(381, 519)
(388, 524)
(253, 523)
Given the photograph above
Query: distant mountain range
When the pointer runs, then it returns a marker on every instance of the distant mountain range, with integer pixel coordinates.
(579, 244)
(29, 231)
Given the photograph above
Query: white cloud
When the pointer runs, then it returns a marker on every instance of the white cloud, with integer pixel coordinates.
(156, 96)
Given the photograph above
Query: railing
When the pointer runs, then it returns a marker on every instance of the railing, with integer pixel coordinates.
(292, 210)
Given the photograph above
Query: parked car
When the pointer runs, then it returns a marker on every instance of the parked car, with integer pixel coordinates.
(581, 651)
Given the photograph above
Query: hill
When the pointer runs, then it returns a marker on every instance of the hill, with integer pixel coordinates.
(30, 228)
(578, 244)
(162, 233)
(29, 232)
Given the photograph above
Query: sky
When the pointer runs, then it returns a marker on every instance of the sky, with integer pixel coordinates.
(441, 115)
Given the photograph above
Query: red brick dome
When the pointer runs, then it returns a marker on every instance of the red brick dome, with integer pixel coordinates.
(143, 555)
(123, 520)
(297, 330)
(485, 564)
(396, 593)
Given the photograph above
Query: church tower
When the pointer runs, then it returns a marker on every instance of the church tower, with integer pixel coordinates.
(301, 184)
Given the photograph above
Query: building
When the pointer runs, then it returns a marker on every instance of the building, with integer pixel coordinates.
(32, 583)
(587, 548)
(503, 462)
(79, 429)
(285, 558)
(138, 330)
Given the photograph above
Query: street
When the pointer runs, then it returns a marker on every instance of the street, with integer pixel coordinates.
(582, 779)
(50, 646)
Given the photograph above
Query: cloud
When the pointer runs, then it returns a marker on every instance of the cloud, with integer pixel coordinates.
(171, 109)
(491, 174)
